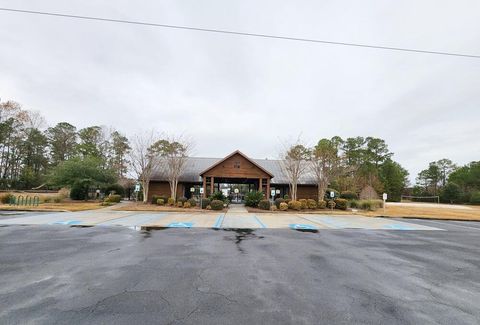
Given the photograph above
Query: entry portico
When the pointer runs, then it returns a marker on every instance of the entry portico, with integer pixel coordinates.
(236, 168)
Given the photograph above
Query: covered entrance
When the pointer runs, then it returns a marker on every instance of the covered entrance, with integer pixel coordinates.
(236, 172)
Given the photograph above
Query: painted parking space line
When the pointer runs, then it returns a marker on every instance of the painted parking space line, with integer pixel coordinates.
(446, 224)
(259, 222)
(218, 223)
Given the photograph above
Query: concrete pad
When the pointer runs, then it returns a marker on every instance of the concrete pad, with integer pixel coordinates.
(285, 220)
(359, 222)
(203, 220)
(245, 221)
(38, 219)
(134, 220)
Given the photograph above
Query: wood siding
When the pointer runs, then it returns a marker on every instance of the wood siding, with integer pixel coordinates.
(236, 167)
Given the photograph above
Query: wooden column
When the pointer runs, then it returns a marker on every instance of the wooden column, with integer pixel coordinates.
(260, 184)
(211, 185)
(268, 188)
(204, 186)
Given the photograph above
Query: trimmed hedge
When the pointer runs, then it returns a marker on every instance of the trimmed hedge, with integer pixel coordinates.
(295, 205)
(179, 204)
(304, 204)
(171, 201)
(264, 205)
(253, 198)
(187, 205)
(205, 203)
(341, 204)
(192, 202)
(283, 206)
(322, 204)
(183, 199)
(160, 202)
(349, 195)
(312, 204)
(278, 201)
(331, 204)
(114, 198)
(216, 205)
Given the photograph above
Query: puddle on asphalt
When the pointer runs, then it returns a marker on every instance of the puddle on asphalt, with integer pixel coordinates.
(242, 234)
(81, 226)
(315, 231)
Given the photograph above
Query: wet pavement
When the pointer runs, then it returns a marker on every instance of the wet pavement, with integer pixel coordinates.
(61, 274)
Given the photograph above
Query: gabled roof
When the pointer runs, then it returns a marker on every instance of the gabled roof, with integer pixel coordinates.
(241, 154)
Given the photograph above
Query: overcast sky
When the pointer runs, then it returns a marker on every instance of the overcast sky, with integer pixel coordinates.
(234, 92)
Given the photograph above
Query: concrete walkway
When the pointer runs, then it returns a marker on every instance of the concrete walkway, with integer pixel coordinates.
(237, 208)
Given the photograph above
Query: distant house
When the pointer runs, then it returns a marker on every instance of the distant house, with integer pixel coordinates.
(234, 172)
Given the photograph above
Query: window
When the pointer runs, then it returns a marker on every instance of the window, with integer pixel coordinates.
(236, 164)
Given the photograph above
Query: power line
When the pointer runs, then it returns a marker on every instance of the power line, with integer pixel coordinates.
(232, 32)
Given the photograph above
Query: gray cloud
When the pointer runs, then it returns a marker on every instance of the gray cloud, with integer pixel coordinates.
(243, 93)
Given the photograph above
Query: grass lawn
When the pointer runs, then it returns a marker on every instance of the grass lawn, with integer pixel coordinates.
(64, 206)
(428, 211)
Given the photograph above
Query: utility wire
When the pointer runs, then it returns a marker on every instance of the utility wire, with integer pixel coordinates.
(232, 32)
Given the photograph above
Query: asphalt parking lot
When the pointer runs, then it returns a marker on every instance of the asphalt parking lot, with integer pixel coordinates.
(59, 274)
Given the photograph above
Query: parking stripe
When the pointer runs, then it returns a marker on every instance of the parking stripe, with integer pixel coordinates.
(219, 222)
(450, 224)
(259, 222)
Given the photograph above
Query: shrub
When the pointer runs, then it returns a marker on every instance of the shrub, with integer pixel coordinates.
(349, 195)
(187, 205)
(216, 205)
(283, 206)
(171, 201)
(264, 204)
(192, 202)
(285, 197)
(354, 204)
(341, 204)
(208, 207)
(303, 203)
(115, 189)
(5, 198)
(322, 204)
(48, 199)
(179, 204)
(183, 199)
(58, 199)
(273, 207)
(77, 193)
(475, 198)
(114, 198)
(106, 204)
(331, 204)
(253, 198)
(205, 203)
(312, 204)
(295, 205)
(370, 205)
(278, 201)
(155, 199)
(160, 202)
(218, 196)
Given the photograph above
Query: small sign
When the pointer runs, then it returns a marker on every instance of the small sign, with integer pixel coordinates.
(137, 187)
(385, 196)
(332, 194)
(277, 191)
(201, 190)
(192, 189)
(272, 192)
(236, 191)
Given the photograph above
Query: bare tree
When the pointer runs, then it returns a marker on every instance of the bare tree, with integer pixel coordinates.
(325, 164)
(293, 163)
(173, 152)
(144, 159)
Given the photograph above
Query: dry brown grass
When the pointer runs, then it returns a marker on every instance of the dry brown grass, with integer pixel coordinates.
(64, 206)
(427, 212)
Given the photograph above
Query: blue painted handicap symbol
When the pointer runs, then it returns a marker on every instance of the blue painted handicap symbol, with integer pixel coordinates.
(297, 226)
(67, 222)
(180, 225)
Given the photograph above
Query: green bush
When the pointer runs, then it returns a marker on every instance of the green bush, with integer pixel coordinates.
(205, 203)
(77, 193)
(264, 205)
(278, 201)
(341, 204)
(171, 201)
(322, 204)
(183, 199)
(354, 204)
(328, 191)
(160, 202)
(475, 197)
(187, 205)
(155, 199)
(5, 198)
(179, 204)
(451, 193)
(312, 204)
(216, 205)
(192, 202)
(217, 196)
(283, 206)
(285, 197)
(349, 195)
(253, 198)
(295, 205)
(303, 203)
(115, 189)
